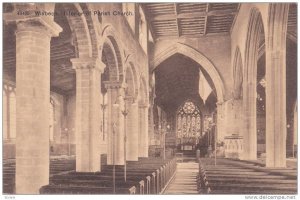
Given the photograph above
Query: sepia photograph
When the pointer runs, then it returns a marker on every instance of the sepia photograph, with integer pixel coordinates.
(136, 98)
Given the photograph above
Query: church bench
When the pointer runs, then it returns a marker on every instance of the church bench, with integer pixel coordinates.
(8, 188)
(159, 176)
(104, 183)
(92, 176)
(156, 177)
(147, 176)
(202, 182)
(156, 183)
(101, 181)
(62, 189)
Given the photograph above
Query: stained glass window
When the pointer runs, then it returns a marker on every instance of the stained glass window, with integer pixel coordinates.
(189, 107)
(188, 121)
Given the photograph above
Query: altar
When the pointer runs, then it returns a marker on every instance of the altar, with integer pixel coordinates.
(187, 147)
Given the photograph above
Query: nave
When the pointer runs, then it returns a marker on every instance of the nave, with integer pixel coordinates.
(107, 104)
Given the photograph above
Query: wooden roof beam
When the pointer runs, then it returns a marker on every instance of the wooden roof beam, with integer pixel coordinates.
(193, 15)
(149, 25)
(206, 17)
(177, 20)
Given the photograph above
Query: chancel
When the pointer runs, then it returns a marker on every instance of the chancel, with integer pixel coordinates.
(159, 98)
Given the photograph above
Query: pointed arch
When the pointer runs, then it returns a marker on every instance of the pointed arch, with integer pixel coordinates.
(197, 57)
(131, 80)
(237, 74)
(143, 92)
(255, 26)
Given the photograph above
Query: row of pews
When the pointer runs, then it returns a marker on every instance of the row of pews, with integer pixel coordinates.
(9, 170)
(146, 176)
(202, 181)
(240, 177)
(57, 165)
(62, 165)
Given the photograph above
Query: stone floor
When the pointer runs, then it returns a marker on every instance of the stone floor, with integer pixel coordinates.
(184, 181)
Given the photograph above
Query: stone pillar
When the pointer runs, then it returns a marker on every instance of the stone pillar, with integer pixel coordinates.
(114, 110)
(276, 86)
(151, 126)
(32, 102)
(104, 125)
(132, 129)
(276, 110)
(88, 113)
(109, 125)
(220, 122)
(146, 127)
(233, 117)
(238, 117)
(119, 145)
(143, 131)
(249, 122)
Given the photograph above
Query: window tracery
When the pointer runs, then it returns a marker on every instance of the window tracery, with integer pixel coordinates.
(188, 121)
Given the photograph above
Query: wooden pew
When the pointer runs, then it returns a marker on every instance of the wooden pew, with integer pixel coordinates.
(98, 180)
(146, 176)
(64, 189)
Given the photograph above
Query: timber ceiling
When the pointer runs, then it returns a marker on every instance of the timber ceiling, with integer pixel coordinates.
(192, 20)
(292, 22)
(172, 20)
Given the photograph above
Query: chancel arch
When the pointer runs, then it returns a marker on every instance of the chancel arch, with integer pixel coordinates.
(197, 57)
(207, 68)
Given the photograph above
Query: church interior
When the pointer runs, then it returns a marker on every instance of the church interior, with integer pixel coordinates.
(149, 98)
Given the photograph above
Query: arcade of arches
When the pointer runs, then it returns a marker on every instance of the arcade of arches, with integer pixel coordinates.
(110, 89)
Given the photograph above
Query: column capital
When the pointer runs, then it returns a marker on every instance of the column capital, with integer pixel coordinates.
(130, 99)
(32, 21)
(88, 63)
(114, 85)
